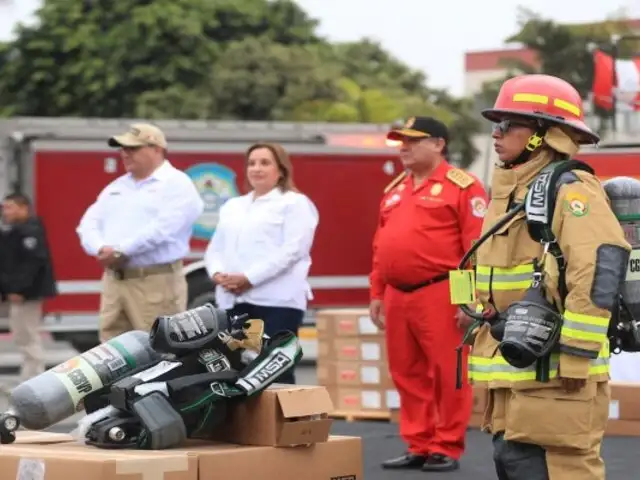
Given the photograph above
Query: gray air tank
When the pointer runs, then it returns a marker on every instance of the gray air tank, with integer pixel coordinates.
(57, 393)
(624, 194)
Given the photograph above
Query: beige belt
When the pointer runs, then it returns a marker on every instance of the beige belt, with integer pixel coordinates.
(128, 273)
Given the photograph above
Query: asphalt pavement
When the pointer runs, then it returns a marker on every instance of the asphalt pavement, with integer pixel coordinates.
(380, 439)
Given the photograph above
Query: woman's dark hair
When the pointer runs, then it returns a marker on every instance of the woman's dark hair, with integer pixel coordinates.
(285, 182)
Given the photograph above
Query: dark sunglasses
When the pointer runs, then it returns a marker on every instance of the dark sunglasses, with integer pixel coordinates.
(505, 125)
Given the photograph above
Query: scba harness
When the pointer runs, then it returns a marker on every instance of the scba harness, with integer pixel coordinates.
(211, 362)
(531, 327)
(529, 330)
(624, 196)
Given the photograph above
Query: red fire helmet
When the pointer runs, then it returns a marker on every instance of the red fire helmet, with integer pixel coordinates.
(542, 97)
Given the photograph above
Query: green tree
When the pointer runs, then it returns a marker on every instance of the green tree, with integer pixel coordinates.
(228, 59)
(381, 83)
(463, 124)
(98, 57)
(257, 79)
(371, 66)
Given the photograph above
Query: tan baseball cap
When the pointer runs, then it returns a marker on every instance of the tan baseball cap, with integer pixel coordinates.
(139, 135)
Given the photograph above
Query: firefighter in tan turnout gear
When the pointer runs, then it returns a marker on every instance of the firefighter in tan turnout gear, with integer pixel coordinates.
(547, 412)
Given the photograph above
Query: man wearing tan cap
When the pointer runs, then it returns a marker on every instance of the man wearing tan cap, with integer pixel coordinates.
(139, 230)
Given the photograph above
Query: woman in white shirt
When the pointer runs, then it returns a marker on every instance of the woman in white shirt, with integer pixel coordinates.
(259, 255)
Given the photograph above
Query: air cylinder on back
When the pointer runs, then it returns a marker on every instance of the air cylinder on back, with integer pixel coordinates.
(624, 194)
(57, 393)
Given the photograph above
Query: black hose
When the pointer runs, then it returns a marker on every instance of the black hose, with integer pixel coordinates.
(465, 259)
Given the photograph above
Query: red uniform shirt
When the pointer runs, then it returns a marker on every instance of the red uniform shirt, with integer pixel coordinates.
(424, 232)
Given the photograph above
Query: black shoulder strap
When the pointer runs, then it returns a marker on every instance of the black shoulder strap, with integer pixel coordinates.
(540, 203)
(540, 200)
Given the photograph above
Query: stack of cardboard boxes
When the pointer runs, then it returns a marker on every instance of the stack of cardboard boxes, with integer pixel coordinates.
(352, 364)
(624, 410)
(282, 434)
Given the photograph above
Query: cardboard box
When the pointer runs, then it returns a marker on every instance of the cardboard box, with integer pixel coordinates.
(338, 458)
(623, 428)
(354, 374)
(282, 415)
(395, 415)
(347, 322)
(476, 421)
(364, 399)
(625, 401)
(624, 410)
(60, 459)
(355, 349)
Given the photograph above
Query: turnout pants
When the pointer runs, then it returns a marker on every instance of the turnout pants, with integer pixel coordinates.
(538, 453)
(422, 337)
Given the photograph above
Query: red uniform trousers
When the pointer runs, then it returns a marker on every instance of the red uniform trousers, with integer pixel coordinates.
(421, 337)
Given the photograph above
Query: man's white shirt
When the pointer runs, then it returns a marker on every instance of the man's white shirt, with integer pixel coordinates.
(150, 221)
(269, 240)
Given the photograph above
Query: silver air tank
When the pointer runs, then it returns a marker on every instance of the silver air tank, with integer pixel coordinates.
(57, 394)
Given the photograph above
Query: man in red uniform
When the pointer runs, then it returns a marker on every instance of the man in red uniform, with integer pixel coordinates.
(429, 216)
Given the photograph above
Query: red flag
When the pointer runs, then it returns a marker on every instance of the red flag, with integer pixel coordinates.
(627, 84)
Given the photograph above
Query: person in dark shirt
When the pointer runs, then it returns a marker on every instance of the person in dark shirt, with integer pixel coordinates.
(26, 278)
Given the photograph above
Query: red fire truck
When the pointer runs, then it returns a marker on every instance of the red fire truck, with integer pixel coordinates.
(613, 159)
(64, 163)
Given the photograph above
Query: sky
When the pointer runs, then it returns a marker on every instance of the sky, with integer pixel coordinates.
(427, 35)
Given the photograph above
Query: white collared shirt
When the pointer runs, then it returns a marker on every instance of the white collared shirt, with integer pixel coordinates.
(269, 240)
(150, 221)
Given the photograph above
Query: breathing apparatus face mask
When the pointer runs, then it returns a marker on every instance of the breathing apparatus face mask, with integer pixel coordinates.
(530, 328)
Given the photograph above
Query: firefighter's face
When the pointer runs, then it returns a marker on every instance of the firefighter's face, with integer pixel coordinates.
(13, 212)
(420, 152)
(510, 137)
(263, 172)
(140, 161)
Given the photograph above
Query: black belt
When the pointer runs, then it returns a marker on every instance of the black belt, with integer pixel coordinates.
(418, 286)
(128, 273)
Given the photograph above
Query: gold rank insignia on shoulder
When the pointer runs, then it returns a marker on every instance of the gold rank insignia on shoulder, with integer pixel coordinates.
(459, 177)
(395, 182)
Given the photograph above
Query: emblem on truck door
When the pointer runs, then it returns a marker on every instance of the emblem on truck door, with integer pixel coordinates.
(216, 184)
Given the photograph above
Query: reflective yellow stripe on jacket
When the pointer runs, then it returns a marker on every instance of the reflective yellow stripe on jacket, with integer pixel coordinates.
(494, 278)
(496, 369)
(575, 326)
(590, 328)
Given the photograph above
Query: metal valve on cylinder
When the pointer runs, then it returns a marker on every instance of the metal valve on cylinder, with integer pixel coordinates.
(9, 423)
(117, 434)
